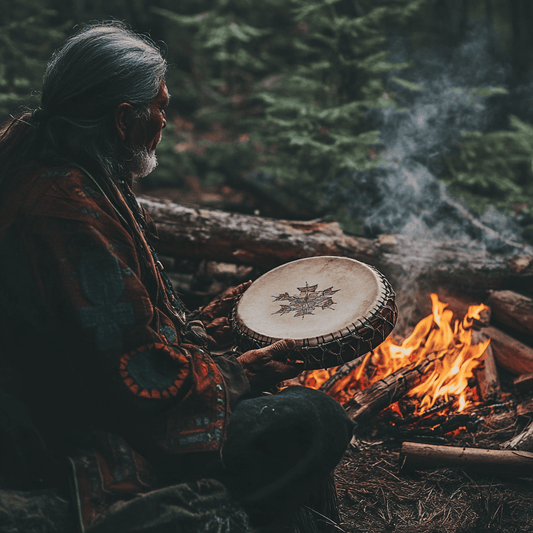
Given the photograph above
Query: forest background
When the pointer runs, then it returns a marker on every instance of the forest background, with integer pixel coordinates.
(367, 112)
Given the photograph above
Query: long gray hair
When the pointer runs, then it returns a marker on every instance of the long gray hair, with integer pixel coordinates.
(96, 69)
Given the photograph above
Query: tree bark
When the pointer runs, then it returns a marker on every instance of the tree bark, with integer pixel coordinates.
(416, 456)
(488, 379)
(266, 242)
(487, 376)
(522, 441)
(523, 383)
(370, 401)
(512, 309)
(509, 353)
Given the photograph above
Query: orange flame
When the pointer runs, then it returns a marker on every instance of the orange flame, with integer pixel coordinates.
(451, 345)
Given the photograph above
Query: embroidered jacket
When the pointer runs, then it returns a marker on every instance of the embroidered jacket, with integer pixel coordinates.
(82, 324)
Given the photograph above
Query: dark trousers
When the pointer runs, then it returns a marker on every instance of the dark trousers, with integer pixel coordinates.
(279, 448)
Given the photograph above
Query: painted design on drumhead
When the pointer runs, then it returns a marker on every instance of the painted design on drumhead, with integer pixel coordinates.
(307, 301)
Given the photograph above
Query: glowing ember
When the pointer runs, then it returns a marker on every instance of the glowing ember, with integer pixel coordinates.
(435, 334)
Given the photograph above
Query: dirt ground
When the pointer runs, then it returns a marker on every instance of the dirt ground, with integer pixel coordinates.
(375, 496)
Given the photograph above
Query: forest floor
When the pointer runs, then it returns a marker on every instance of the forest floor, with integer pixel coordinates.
(376, 497)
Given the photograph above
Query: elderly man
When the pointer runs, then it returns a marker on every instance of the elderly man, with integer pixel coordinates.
(107, 380)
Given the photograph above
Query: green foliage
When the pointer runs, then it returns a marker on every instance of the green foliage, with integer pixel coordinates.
(407, 84)
(494, 168)
(28, 35)
(288, 82)
(297, 76)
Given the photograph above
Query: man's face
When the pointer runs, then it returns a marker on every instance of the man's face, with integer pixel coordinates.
(146, 134)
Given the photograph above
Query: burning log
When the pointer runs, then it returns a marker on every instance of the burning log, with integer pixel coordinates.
(522, 441)
(460, 303)
(418, 419)
(488, 379)
(368, 402)
(486, 374)
(434, 365)
(510, 354)
(267, 242)
(342, 374)
(436, 427)
(415, 456)
(512, 309)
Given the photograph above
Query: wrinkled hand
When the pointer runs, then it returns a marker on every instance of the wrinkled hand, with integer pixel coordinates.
(215, 315)
(267, 366)
(220, 307)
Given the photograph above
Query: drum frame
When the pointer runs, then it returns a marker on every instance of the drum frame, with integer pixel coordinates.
(353, 341)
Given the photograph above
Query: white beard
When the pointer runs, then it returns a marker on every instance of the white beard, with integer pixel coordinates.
(143, 163)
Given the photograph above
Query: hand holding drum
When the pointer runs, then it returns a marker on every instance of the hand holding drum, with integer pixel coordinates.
(335, 309)
(267, 366)
(215, 315)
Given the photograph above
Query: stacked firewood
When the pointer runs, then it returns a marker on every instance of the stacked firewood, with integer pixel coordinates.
(509, 350)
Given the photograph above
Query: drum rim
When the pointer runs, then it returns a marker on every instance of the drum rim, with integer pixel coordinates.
(351, 331)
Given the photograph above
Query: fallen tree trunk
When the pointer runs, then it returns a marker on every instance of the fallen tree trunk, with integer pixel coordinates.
(415, 456)
(266, 242)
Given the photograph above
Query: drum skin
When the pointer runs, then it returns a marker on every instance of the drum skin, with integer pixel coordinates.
(335, 308)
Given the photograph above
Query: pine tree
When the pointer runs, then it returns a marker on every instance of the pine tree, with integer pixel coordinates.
(307, 71)
(28, 35)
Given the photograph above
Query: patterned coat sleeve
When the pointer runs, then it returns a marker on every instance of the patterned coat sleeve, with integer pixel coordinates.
(120, 346)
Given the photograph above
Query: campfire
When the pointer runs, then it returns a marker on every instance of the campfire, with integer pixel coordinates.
(447, 343)
(439, 379)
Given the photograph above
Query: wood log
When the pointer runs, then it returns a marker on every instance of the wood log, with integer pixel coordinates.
(509, 353)
(342, 373)
(415, 456)
(266, 242)
(370, 401)
(487, 377)
(512, 309)
(523, 383)
(522, 441)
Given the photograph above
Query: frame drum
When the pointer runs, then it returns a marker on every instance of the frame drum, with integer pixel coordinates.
(335, 308)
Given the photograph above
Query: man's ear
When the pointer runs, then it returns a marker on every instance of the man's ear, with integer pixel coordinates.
(122, 118)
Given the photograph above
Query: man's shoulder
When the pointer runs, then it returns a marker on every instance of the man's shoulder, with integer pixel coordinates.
(65, 192)
(31, 186)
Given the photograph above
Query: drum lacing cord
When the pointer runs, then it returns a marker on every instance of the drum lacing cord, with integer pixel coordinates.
(384, 313)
